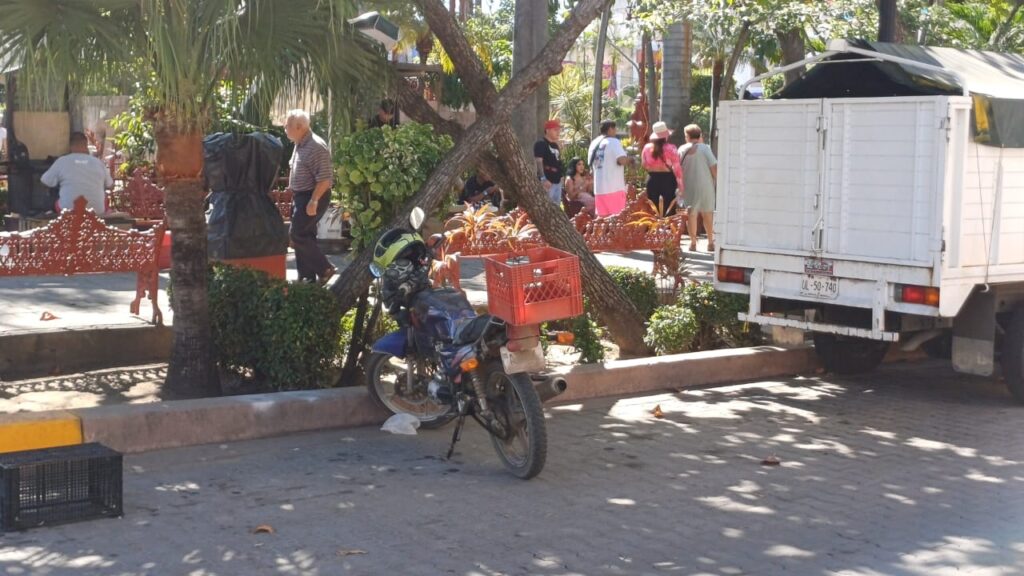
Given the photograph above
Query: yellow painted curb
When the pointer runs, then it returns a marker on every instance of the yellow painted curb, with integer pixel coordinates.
(39, 430)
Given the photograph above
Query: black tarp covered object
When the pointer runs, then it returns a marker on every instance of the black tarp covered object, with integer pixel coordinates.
(243, 221)
(994, 80)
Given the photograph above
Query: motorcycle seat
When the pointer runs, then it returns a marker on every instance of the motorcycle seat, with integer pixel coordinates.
(471, 331)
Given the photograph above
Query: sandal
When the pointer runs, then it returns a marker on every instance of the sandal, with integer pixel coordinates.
(693, 246)
(711, 246)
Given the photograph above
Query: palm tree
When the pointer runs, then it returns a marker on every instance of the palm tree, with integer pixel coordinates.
(677, 44)
(188, 47)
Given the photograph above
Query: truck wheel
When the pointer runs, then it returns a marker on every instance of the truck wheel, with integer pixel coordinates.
(1013, 355)
(846, 355)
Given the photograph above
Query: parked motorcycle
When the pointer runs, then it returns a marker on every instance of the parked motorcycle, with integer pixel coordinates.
(446, 362)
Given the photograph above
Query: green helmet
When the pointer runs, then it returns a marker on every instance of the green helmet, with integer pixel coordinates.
(397, 243)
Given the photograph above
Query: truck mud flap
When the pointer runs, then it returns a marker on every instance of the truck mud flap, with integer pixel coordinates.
(974, 335)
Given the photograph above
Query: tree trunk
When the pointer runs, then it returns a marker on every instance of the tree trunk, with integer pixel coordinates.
(179, 162)
(529, 36)
(356, 277)
(725, 90)
(887, 20)
(615, 310)
(675, 78)
(602, 39)
(191, 372)
(1000, 33)
(791, 42)
(651, 71)
(611, 303)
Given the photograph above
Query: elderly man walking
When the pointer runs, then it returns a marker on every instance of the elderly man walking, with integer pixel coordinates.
(310, 182)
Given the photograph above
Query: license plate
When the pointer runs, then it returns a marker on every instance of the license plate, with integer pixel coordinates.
(823, 287)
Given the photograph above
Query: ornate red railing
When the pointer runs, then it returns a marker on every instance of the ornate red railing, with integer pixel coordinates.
(79, 242)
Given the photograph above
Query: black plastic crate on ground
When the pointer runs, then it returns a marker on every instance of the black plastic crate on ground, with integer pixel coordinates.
(59, 485)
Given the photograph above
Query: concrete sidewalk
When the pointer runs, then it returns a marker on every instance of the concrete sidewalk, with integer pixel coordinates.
(103, 299)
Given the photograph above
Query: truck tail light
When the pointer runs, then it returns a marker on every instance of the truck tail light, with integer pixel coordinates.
(734, 275)
(927, 295)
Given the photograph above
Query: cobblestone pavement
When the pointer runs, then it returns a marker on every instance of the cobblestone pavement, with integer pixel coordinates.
(912, 470)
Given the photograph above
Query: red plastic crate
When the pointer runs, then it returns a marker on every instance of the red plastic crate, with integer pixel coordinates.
(543, 288)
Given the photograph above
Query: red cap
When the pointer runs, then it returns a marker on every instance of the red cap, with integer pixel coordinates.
(552, 124)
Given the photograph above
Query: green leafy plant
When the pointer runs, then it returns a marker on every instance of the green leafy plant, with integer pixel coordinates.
(672, 330)
(716, 313)
(639, 287)
(379, 169)
(587, 337)
(286, 335)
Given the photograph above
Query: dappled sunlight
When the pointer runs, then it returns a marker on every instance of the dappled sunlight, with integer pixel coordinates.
(728, 504)
(935, 446)
(964, 552)
(785, 551)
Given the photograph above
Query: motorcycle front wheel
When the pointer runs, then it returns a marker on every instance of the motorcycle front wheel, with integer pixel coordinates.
(386, 379)
(518, 408)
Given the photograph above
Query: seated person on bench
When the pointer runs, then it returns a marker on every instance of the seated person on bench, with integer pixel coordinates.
(77, 173)
(479, 189)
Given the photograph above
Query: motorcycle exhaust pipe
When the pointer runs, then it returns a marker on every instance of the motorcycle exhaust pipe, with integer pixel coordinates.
(549, 387)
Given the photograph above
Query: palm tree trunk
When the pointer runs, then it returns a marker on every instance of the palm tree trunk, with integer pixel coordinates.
(602, 39)
(651, 71)
(675, 78)
(179, 162)
(887, 21)
(529, 37)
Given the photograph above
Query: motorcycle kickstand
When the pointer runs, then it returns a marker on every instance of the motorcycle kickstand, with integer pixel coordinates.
(456, 435)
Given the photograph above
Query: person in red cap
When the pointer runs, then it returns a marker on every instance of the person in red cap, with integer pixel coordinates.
(548, 157)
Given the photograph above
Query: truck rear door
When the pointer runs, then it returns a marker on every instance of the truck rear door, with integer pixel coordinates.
(885, 164)
(773, 163)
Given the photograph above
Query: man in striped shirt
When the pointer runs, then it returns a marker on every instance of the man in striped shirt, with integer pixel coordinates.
(309, 180)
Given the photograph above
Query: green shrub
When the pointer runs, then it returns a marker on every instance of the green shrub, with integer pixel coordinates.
(672, 330)
(716, 314)
(639, 287)
(380, 168)
(385, 325)
(587, 338)
(287, 335)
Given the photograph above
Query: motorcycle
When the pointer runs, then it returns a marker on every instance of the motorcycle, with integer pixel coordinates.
(448, 363)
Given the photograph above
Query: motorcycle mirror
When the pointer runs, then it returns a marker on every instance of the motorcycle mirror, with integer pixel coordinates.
(416, 218)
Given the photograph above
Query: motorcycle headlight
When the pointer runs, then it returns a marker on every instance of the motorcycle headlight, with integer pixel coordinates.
(375, 270)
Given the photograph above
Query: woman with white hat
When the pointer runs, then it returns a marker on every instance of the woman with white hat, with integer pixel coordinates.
(664, 171)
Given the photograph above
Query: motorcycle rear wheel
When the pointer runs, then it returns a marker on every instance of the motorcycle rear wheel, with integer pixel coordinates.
(516, 405)
(385, 379)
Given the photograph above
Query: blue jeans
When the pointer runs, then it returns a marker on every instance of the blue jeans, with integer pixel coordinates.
(555, 194)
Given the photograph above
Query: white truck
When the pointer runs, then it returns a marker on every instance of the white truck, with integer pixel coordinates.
(880, 199)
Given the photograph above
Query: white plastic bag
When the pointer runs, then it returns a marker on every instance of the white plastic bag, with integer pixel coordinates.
(330, 226)
(402, 424)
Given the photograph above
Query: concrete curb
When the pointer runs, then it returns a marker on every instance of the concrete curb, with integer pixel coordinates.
(44, 352)
(623, 377)
(141, 427)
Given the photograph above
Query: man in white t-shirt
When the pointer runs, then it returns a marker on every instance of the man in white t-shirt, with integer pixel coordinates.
(79, 174)
(3, 139)
(607, 160)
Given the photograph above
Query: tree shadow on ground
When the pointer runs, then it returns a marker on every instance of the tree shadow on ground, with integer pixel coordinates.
(910, 471)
